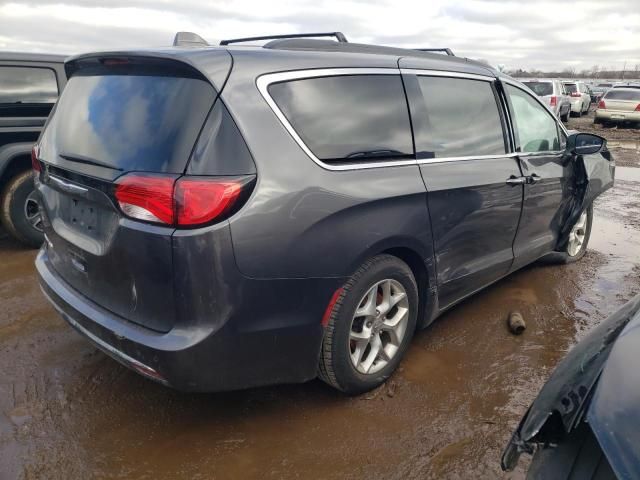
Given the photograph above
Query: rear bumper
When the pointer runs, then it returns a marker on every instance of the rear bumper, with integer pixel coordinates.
(617, 115)
(245, 352)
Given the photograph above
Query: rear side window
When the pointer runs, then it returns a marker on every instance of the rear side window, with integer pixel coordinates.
(540, 88)
(348, 118)
(128, 122)
(462, 119)
(27, 91)
(632, 95)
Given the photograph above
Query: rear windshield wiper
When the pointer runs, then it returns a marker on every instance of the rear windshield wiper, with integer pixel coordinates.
(88, 161)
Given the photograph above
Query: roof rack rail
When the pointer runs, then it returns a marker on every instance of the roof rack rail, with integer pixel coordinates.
(436, 50)
(189, 39)
(338, 35)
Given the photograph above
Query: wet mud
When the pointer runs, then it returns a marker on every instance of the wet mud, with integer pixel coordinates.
(68, 411)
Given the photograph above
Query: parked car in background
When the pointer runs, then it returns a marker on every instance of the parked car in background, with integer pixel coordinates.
(555, 95)
(585, 422)
(291, 201)
(29, 86)
(619, 105)
(597, 92)
(579, 96)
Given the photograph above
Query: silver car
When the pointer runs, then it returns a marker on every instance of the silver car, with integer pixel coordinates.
(554, 93)
(580, 97)
(619, 105)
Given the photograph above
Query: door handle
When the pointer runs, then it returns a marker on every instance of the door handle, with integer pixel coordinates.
(513, 180)
(534, 178)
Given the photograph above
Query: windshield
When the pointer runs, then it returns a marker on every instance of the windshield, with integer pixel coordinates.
(540, 88)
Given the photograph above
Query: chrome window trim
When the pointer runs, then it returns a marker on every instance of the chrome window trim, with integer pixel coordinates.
(443, 73)
(264, 81)
(544, 105)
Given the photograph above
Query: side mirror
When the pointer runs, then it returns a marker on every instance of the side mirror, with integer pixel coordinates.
(585, 143)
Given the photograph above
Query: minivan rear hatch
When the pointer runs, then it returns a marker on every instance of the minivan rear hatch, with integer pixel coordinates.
(118, 115)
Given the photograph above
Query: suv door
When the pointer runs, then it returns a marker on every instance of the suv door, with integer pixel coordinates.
(474, 204)
(540, 143)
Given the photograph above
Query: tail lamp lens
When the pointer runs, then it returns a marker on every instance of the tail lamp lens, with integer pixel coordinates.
(200, 201)
(147, 198)
(554, 101)
(601, 104)
(638, 108)
(35, 162)
(183, 202)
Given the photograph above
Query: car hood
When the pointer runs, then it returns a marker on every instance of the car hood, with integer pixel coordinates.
(562, 401)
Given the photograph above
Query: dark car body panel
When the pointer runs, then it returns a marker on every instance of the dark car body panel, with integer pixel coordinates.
(240, 303)
(593, 382)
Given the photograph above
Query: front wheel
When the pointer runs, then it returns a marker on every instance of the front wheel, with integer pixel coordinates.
(579, 237)
(19, 210)
(370, 326)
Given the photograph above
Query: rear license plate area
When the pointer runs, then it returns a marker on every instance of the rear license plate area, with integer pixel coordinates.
(617, 117)
(82, 215)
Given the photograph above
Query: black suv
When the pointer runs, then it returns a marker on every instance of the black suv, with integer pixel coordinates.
(232, 216)
(29, 87)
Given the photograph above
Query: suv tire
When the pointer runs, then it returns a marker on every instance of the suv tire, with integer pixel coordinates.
(380, 277)
(581, 229)
(16, 210)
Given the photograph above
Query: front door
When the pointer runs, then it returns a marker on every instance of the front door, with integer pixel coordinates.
(549, 191)
(473, 201)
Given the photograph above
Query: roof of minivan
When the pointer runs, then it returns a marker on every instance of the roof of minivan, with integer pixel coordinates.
(31, 57)
(284, 55)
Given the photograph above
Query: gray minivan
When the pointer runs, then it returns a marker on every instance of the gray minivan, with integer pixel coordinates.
(225, 217)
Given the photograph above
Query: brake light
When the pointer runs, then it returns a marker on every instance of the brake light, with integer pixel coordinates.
(35, 162)
(146, 197)
(554, 101)
(201, 200)
(183, 202)
(638, 108)
(601, 104)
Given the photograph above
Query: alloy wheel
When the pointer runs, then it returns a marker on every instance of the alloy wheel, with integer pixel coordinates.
(32, 212)
(577, 235)
(378, 326)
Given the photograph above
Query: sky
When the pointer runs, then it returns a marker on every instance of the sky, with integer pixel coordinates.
(526, 34)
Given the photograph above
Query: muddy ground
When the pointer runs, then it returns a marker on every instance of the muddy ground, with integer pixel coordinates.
(68, 411)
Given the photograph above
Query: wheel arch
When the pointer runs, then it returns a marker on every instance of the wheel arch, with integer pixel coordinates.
(419, 258)
(14, 158)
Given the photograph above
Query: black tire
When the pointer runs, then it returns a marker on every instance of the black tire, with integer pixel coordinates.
(335, 365)
(12, 210)
(563, 257)
(565, 117)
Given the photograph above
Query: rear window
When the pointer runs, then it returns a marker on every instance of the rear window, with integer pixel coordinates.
(619, 94)
(571, 87)
(461, 119)
(348, 118)
(540, 88)
(128, 122)
(605, 85)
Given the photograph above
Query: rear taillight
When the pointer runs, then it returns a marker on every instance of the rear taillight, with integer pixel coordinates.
(146, 197)
(553, 101)
(638, 108)
(601, 104)
(35, 162)
(201, 200)
(183, 202)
